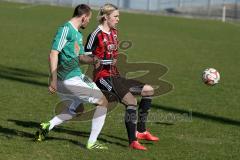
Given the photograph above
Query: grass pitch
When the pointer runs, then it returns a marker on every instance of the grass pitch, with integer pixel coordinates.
(194, 121)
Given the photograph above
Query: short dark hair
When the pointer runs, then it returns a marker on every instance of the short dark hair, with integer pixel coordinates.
(81, 9)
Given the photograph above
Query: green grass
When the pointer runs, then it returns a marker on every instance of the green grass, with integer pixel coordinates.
(185, 46)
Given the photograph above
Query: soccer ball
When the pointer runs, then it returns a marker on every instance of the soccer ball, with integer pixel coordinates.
(210, 76)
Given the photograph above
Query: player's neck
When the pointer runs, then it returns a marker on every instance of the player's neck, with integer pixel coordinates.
(105, 27)
(75, 23)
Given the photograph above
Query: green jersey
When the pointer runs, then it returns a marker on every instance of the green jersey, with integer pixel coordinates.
(69, 42)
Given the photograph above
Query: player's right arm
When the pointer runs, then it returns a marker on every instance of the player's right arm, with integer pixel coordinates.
(91, 45)
(53, 64)
(59, 41)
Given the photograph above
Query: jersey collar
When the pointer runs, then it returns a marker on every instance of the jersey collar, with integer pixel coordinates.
(101, 28)
(73, 25)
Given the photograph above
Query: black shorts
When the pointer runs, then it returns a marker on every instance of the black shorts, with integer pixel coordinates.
(119, 86)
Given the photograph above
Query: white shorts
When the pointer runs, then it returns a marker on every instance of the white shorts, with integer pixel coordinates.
(79, 89)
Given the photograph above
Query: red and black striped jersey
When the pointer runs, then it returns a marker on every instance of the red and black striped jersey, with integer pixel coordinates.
(105, 46)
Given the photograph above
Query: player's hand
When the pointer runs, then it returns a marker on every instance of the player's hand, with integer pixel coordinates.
(114, 62)
(52, 88)
(96, 62)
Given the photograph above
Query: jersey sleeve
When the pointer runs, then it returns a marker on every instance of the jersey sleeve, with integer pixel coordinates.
(91, 44)
(61, 38)
(81, 51)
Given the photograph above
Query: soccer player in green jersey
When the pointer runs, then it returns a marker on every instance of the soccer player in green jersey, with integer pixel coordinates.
(69, 82)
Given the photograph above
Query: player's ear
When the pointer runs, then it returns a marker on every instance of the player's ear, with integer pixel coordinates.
(83, 18)
(105, 17)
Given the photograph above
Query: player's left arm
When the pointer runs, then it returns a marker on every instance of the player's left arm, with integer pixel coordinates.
(88, 59)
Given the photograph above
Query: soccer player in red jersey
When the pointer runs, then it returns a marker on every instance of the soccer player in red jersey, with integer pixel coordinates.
(103, 44)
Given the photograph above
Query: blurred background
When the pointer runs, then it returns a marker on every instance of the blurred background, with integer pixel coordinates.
(220, 9)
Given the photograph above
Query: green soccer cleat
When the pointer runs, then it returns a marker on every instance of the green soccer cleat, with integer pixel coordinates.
(42, 132)
(96, 145)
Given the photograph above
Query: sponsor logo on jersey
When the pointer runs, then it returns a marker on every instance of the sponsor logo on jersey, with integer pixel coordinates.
(112, 47)
(115, 37)
(76, 48)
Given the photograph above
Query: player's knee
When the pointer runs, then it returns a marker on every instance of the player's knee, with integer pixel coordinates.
(129, 99)
(148, 90)
(132, 101)
(103, 102)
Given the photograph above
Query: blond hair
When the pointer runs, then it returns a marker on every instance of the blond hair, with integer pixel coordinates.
(106, 9)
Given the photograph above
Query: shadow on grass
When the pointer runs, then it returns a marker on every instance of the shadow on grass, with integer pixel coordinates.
(31, 124)
(11, 133)
(200, 115)
(22, 75)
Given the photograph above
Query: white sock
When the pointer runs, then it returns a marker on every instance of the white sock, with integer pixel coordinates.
(97, 123)
(55, 121)
(66, 115)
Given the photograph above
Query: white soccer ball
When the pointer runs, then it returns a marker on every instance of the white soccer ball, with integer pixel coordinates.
(210, 76)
